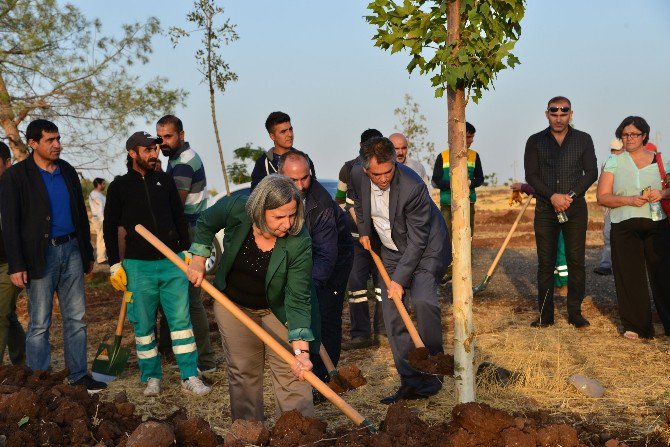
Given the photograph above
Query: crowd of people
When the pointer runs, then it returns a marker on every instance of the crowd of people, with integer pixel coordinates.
(292, 253)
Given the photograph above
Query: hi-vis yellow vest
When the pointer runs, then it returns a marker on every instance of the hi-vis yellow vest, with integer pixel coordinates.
(445, 196)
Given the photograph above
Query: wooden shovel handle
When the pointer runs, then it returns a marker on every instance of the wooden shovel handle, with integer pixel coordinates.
(122, 316)
(325, 358)
(273, 344)
(509, 236)
(401, 307)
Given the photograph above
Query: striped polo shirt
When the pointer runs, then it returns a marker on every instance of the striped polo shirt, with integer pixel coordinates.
(188, 172)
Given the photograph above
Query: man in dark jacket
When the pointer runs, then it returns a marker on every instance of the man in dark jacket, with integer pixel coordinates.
(48, 244)
(332, 253)
(280, 130)
(395, 211)
(150, 198)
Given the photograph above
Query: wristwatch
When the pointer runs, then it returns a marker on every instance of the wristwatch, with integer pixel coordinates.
(300, 351)
(572, 194)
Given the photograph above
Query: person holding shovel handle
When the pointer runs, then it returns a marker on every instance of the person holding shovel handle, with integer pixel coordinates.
(266, 269)
(148, 197)
(393, 207)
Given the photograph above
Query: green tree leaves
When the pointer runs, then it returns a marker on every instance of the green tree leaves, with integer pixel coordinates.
(490, 28)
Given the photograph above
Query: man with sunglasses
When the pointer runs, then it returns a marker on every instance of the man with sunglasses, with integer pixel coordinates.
(560, 164)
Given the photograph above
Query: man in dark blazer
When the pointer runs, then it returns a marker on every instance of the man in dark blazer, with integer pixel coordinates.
(395, 211)
(48, 243)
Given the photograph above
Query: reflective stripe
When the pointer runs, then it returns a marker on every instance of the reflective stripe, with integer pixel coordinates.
(563, 274)
(153, 352)
(355, 235)
(178, 335)
(359, 292)
(378, 290)
(145, 340)
(358, 300)
(183, 349)
(379, 298)
(341, 186)
(349, 201)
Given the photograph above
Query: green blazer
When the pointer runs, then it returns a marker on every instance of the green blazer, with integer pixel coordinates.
(288, 283)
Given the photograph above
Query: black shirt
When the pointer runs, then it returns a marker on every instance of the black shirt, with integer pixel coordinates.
(558, 169)
(245, 284)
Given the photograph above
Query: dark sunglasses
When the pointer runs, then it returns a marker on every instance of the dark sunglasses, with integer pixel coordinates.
(556, 109)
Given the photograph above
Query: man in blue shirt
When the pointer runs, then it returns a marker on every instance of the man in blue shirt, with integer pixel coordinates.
(48, 245)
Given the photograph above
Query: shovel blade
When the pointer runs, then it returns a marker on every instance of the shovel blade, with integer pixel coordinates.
(110, 360)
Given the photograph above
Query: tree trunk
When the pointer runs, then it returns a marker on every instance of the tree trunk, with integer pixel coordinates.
(464, 343)
(212, 102)
(10, 128)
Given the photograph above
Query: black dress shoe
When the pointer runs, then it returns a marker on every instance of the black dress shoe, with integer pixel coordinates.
(539, 323)
(578, 321)
(405, 392)
(602, 271)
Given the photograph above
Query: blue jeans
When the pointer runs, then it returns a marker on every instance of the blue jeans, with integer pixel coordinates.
(64, 274)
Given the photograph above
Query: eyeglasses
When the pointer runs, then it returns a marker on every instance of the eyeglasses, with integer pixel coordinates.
(631, 135)
(565, 109)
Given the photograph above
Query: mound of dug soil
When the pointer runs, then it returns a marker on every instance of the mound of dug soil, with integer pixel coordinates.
(440, 363)
(348, 378)
(37, 408)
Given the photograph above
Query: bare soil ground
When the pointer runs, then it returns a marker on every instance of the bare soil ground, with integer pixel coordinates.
(635, 374)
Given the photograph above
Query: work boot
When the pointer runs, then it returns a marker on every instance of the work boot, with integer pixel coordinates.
(358, 343)
(602, 271)
(578, 321)
(92, 386)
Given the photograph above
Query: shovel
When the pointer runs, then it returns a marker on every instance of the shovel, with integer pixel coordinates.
(341, 382)
(111, 360)
(273, 344)
(482, 285)
(421, 352)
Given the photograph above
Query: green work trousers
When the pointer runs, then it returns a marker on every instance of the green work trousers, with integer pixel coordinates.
(561, 270)
(160, 282)
(11, 331)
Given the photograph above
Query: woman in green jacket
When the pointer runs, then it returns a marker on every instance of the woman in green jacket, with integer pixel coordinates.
(266, 270)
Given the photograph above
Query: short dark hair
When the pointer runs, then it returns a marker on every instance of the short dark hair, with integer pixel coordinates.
(295, 153)
(380, 148)
(98, 181)
(4, 152)
(276, 118)
(36, 127)
(558, 99)
(470, 129)
(171, 119)
(639, 123)
(370, 133)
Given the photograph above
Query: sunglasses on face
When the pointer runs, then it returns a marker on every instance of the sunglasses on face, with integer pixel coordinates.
(565, 109)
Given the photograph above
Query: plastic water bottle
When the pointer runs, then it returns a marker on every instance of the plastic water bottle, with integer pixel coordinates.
(562, 217)
(590, 387)
(656, 211)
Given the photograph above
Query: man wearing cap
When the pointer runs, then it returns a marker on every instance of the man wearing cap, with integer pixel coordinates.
(605, 266)
(149, 197)
(188, 172)
(48, 245)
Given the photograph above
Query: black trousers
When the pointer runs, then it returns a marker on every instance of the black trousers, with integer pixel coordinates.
(547, 229)
(641, 249)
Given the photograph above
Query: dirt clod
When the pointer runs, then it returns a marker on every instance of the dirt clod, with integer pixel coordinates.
(440, 363)
(292, 429)
(348, 378)
(151, 434)
(247, 432)
(194, 432)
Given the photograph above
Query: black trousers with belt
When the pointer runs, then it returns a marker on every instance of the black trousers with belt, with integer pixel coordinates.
(546, 240)
(641, 249)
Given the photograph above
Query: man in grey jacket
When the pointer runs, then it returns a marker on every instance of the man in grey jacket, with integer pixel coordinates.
(395, 212)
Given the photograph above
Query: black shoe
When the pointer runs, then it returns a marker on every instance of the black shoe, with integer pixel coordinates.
(540, 324)
(405, 392)
(602, 271)
(358, 343)
(578, 321)
(92, 385)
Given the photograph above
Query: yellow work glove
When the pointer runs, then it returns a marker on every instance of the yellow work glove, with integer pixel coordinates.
(516, 198)
(117, 277)
(187, 257)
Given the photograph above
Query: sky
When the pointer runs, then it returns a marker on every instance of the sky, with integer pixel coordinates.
(316, 61)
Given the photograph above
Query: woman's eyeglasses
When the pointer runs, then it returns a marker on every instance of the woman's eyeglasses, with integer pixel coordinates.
(631, 135)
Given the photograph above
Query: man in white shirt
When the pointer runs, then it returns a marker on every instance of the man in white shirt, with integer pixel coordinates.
(97, 202)
(400, 143)
(394, 212)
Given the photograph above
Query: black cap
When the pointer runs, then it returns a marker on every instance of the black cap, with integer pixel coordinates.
(142, 139)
